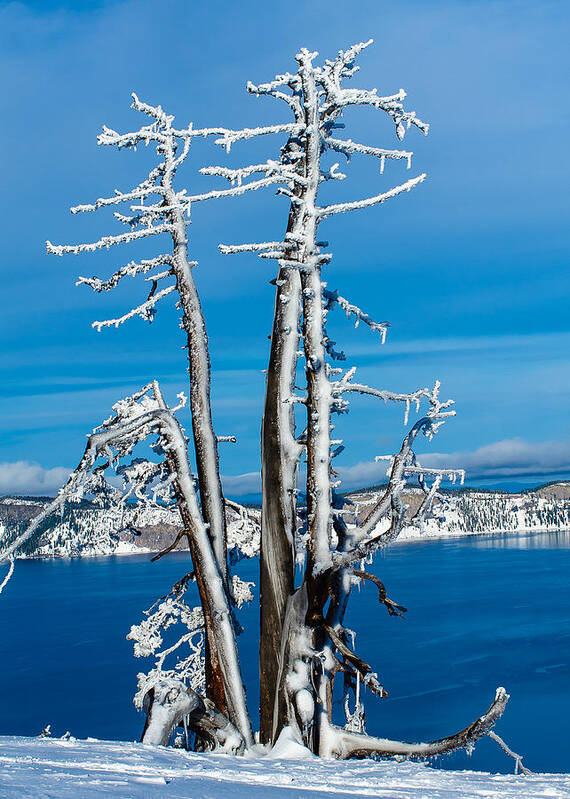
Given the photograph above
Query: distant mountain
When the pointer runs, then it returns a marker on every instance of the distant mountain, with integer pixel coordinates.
(86, 529)
(468, 511)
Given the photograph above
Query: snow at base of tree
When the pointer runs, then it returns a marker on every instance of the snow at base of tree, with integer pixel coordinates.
(70, 769)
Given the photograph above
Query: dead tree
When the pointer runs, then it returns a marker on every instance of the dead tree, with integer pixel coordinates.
(302, 638)
(304, 642)
(157, 207)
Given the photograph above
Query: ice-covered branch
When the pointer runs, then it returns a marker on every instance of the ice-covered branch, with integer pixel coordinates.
(230, 137)
(333, 298)
(341, 208)
(274, 87)
(517, 758)
(367, 537)
(235, 191)
(9, 573)
(345, 385)
(343, 744)
(269, 168)
(348, 147)
(108, 241)
(145, 310)
(230, 249)
(132, 269)
(118, 198)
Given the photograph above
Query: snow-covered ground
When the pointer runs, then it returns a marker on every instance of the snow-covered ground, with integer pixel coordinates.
(36, 768)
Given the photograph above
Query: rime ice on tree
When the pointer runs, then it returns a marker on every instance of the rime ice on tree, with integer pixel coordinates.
(304, 643)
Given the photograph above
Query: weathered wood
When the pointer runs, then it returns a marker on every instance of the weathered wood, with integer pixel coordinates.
(169, 703)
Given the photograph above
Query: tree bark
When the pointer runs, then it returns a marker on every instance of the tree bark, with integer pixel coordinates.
(279, 459)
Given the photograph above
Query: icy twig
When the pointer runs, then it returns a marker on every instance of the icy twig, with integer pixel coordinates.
(145, 310)
(341, 208)
(9, 573)
(517, 758)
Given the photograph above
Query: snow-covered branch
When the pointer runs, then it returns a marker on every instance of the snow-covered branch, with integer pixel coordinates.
(145, 310)
(108, 241)
(333, 298)
(7, 576)
(348, 147)
(132, 269)
(341, 208)
(230, 249)
(506, 748)
(343, 744)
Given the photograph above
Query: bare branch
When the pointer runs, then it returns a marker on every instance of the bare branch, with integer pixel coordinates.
(179, 536)
(392, 607)
(369, 677)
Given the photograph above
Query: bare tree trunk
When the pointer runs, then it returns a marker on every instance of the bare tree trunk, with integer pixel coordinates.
(169, 702)
(279, 459)
(205, 441)
(206, 449)
(223, 673)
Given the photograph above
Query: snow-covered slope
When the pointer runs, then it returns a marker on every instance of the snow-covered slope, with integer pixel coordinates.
(34, 768)
(483, 512)
(89, 530)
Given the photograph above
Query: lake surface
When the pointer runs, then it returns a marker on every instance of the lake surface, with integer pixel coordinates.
(482, 612)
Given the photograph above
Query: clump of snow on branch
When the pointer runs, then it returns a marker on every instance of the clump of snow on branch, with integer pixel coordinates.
(188, 649)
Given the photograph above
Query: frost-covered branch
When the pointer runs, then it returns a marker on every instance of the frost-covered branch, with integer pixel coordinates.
(132, 269)
(145, 310)
(367, 537)
(348, 147)
(506, 748)
(345, 385)
(333, 298)
(8, 575)
(108, 241)
(341, 208)
(343, 744)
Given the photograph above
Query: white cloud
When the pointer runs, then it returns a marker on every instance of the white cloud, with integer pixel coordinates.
(23, 477)
(241, 484)
(512, 457)
(509, 458)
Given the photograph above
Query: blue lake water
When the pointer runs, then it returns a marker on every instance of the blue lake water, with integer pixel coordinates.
(482, 612)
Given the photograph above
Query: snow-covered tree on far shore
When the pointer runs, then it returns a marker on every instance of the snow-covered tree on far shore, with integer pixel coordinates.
(305, 645)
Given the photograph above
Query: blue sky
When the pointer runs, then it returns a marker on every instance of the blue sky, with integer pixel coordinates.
(470, 268)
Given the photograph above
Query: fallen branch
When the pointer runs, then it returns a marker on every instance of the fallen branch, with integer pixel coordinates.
(342, 744)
